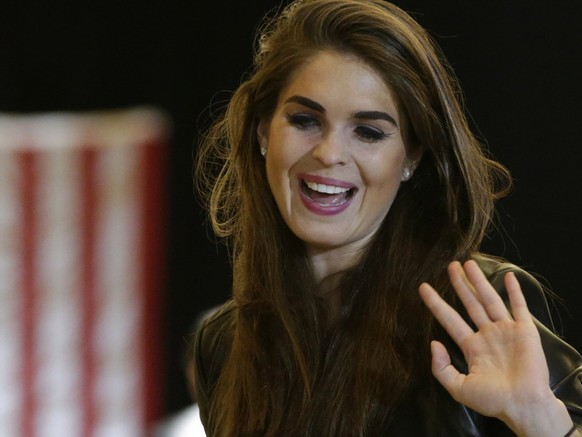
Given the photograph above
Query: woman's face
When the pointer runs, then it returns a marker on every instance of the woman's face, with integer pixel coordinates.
(335, 152)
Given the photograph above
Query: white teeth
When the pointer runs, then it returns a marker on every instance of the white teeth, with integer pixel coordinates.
(327, 189)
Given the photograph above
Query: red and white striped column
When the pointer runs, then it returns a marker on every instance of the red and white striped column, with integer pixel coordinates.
(81, 258)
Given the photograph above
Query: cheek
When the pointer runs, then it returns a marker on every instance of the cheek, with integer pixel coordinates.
(385, 172)
(278, 170)
(281, 157)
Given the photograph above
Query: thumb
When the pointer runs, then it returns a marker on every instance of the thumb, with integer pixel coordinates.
(443, 370)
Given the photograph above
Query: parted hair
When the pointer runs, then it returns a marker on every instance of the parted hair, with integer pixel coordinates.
(289, 372)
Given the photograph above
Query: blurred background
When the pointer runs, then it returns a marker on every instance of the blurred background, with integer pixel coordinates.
(150, 74)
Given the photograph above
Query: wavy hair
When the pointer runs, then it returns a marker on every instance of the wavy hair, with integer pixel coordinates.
(288, 372)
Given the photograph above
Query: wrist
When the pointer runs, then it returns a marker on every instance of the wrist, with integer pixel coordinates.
(548, 417)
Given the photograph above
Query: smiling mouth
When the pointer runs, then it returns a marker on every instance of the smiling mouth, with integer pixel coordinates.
(327, 195)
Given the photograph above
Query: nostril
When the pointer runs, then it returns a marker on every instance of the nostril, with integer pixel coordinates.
(329, 153)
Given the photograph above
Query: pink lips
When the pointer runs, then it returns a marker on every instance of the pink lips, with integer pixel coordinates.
(317, 207)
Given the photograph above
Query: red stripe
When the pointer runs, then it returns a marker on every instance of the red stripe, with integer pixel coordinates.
(29, 290)
(88, 192)
(152, 173)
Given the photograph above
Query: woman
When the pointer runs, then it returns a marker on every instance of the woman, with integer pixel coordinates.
(349, 177)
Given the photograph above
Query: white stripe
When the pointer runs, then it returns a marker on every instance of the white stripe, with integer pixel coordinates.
(10, 304)
(58, 334)
(109, 128)
(118, 335)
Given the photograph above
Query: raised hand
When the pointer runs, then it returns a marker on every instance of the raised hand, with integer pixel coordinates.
(507, 375)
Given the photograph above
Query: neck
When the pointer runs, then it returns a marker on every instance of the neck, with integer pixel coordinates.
(329, 266)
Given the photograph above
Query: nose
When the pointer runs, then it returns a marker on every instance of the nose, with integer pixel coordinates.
(331, 150)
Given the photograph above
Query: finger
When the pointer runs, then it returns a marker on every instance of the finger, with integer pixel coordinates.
(467, 294)
(443, 370)
(486, 294)
(516, 298)
(449, 319)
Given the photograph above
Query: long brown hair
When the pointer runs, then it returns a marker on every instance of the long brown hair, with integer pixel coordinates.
(288, 373)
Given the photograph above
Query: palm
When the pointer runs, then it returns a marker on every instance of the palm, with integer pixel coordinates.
(502, 357)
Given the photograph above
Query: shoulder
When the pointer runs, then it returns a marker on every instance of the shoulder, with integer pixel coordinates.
(211, 346)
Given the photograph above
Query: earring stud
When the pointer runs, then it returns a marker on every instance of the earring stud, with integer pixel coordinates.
(406, 174)
(263, 151)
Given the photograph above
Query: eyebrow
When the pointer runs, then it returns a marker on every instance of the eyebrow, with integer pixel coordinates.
(306, 102)
(360, 115)
(375, 115)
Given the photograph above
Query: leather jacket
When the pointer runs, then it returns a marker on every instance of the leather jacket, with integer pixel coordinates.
(452, 418)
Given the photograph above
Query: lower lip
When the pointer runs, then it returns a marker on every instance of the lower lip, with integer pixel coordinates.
(318, 208)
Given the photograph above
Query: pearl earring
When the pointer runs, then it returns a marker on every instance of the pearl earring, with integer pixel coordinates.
(263, 151)
(406, 174)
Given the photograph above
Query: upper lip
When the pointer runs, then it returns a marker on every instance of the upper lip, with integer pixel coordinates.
(326, 181)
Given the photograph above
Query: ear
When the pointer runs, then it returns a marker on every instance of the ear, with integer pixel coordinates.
(409, 167)
(414, 154)
(413, 163)
(263, 134)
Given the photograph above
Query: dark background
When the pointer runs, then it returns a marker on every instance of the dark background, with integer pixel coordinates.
(519, 64)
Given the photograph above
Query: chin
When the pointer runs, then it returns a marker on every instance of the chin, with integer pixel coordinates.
(322, 244)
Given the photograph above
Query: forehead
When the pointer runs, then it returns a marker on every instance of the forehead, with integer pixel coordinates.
(336, 76)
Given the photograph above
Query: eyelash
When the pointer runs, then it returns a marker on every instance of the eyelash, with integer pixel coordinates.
(367, 134)
(302, 121)
(370, 134)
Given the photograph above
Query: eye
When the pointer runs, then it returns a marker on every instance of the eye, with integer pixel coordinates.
(369, 134)
(303, 121)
